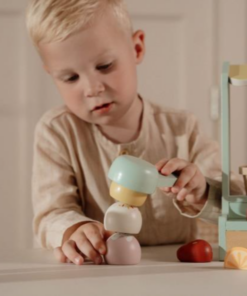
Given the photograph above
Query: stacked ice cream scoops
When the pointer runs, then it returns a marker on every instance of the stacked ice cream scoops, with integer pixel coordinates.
(122, 247)
(132, 180)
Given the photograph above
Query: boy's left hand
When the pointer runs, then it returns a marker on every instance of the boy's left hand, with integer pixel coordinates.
(191, 185)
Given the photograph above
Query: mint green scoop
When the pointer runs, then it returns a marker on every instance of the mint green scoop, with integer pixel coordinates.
(138, 175)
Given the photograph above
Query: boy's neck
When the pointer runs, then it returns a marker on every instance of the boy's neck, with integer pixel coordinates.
(127, 128)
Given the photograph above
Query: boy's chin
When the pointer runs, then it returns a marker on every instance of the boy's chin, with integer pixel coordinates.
(104, 122)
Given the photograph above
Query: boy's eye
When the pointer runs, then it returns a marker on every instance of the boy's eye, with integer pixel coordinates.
(72, 78)
(104, 67)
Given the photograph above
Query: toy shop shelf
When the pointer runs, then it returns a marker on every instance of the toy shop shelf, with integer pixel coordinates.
(238, 224)
(238, 75)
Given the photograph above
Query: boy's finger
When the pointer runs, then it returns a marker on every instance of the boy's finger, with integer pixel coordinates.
(108, 233)
(87, 249)
(193, 184)
(105, 234)
(59, 255)
(159, 165)
(70, 251)
(185, 179)
(182, 194)
(165, 189)
(174, 164)
(96, 239)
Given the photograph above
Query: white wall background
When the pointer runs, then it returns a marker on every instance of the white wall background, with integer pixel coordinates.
(187, 41)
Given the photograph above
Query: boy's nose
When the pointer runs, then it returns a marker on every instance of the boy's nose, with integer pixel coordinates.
(93, 88)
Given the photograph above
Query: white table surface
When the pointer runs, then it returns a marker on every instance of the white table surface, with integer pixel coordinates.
(36, 272)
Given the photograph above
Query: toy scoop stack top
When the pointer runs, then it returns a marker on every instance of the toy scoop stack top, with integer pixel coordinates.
(132, 180)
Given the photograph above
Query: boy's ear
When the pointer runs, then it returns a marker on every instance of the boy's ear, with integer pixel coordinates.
(139, 45)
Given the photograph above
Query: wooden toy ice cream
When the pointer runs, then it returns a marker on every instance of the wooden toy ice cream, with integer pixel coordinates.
(132, 180)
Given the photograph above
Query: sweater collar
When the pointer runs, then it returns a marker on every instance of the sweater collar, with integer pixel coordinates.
(136, 147)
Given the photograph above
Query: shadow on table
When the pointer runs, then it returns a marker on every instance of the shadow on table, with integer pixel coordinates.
(44, 267)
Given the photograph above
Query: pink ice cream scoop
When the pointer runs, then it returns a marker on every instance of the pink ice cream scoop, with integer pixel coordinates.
(122, 249)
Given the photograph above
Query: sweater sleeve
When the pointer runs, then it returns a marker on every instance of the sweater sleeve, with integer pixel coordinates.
(205, 153)
(56, 201)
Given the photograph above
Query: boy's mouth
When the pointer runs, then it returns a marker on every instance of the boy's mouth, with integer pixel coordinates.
(103, 106)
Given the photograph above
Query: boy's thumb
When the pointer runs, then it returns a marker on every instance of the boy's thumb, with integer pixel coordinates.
(104, 233)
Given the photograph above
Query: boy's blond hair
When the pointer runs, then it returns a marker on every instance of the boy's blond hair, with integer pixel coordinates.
(54, 20)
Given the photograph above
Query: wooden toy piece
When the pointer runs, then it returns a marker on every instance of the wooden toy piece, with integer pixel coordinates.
(236, 238)
(122, 249)
(127, 196)
(232, 221)
(132, 180)
(196, 251)
(138, 175)
(236, 258)
(243, 171)
(238, 75)
(120, 217)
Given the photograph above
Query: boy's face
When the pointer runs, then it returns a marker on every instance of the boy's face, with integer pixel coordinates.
(95, 70)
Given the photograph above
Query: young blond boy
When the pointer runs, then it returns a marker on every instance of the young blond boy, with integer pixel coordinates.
(91, 52)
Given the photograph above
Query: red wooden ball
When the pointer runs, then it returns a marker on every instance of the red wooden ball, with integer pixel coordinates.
(196, 251)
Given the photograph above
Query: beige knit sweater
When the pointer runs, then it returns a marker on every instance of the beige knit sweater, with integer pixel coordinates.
(72, 158)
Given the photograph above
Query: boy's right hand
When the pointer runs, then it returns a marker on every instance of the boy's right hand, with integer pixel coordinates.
(88, 240)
